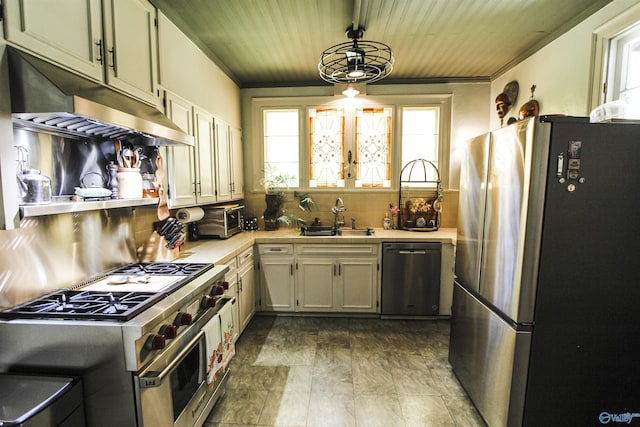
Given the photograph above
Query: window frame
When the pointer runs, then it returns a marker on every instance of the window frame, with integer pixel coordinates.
(603, 36)
(303, 104)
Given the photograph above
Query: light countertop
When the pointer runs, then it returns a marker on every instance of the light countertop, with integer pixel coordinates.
(220, 251)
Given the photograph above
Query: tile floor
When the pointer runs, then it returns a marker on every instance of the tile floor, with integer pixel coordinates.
(346, 372)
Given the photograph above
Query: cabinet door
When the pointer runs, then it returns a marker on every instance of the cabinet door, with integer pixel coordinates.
(277, 283)
(247, 296)
(181, 173)
(67, 32)
(131, 48)
(237, 168)
(316, 290)
(357, 290)
(223, 160)
(234, 291)
(205, 163)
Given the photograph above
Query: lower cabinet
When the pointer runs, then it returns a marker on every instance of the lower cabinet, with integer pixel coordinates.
(277, 282)
(242, 285)
(319, 278)
(247, 288)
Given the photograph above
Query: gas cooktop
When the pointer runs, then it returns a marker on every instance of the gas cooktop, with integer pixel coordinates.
(105, 298)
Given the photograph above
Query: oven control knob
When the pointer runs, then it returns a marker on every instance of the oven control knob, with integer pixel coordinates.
(218, 290)
(156, 342)
(169, 331)
(225, 285)
(208, 301)
(183, 319)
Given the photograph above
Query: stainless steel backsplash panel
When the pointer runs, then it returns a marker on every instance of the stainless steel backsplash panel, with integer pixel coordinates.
(54, 251)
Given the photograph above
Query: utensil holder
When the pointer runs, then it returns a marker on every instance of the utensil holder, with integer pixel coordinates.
(129, 183)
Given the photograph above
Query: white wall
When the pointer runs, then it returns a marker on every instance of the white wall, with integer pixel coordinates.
(562, 71)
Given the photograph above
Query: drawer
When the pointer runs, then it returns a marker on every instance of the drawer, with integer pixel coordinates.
(275, 249)
(245, 257)
(337, 250)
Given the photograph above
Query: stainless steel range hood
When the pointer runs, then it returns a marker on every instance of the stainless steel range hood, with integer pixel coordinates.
(47, 98)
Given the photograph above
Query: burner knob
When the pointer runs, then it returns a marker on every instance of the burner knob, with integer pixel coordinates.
(225, 285)
(208, 301)
(183, 319)
(156, 342)
(218, 290)
(169, 331)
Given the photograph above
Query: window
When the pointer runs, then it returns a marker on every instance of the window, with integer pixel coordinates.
(326, 140)
(617, 59)
(624, 65)
(373, 147)
(420, 137)
(281, 152)
(329, 143)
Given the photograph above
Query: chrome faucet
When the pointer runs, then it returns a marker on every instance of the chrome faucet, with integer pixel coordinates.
(336, 209)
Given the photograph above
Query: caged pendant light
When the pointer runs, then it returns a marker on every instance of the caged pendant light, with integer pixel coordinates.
(357, 61)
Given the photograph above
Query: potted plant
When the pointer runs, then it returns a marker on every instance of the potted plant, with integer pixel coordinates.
(305, 204)
(275, 184)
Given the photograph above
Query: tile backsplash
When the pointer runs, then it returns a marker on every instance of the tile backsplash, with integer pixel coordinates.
(368, 208)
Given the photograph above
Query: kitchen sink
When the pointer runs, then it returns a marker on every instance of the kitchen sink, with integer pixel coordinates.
(355, 231)
(317, 230)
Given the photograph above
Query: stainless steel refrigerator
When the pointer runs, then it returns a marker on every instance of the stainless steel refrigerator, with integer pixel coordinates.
(545, 326)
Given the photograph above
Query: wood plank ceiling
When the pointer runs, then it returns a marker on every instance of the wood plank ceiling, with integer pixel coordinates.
(263, 43)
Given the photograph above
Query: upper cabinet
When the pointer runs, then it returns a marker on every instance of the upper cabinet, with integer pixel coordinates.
(131, 55)
(122, 53)
(228, 162)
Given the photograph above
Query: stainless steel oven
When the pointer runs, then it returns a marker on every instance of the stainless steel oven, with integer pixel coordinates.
(175, 389)
(140, 338)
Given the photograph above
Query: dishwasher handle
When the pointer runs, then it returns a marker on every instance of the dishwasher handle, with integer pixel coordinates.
(413, 252)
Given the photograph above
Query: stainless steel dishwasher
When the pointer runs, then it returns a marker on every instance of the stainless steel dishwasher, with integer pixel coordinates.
(411, 279)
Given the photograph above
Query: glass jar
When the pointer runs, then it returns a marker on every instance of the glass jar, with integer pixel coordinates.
(149, 189)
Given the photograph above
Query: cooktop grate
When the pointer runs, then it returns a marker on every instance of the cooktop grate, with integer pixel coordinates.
(85, 305)
(164, 268)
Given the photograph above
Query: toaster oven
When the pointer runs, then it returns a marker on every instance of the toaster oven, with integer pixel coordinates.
(221, 221)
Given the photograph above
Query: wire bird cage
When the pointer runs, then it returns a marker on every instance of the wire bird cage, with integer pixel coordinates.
(420, 196)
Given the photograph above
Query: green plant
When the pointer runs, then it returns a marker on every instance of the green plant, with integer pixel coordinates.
(305, 203)
(275, 182)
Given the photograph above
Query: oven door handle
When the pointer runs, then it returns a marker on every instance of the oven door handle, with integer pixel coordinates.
(150, 380)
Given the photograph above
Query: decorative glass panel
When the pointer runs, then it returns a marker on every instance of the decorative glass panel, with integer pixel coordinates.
(373, 147)
(326, 166)
(281, 141)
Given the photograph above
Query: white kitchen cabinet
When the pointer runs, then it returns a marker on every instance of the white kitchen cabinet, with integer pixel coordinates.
(247, 288)
(241, 280)
(212, 171)
(277, 280)
(181, 172)
(319, 277)
(228, 162)
(231, 277)
(130, 54)
(70, 33)
(337, 278)
(204, 133)
(315, 284)
(236, 163)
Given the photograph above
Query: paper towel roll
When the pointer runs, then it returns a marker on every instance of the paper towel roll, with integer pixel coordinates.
(189, 214)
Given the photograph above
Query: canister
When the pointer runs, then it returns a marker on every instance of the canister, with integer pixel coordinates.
(129, 183)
